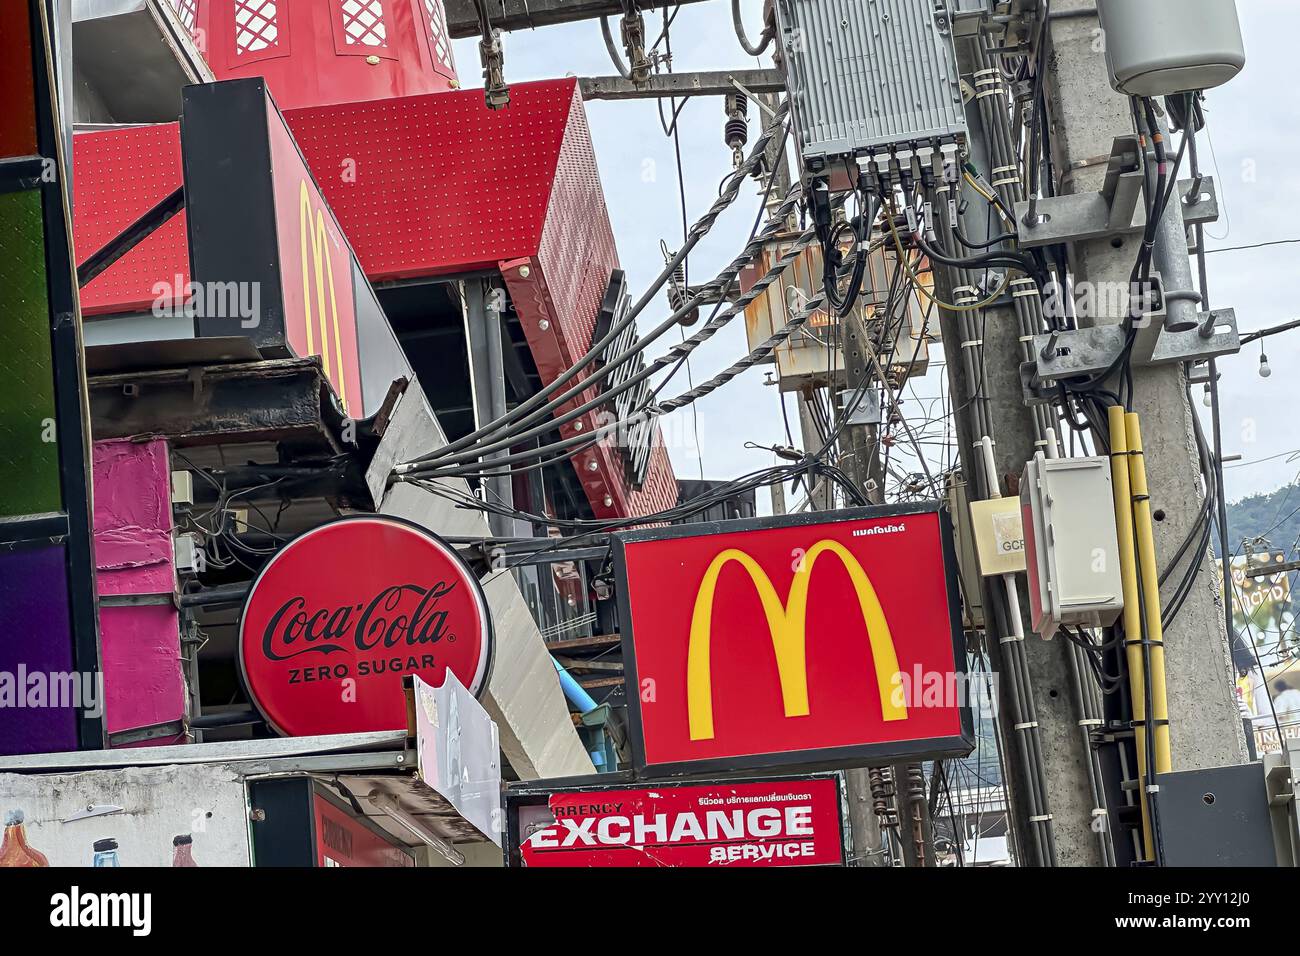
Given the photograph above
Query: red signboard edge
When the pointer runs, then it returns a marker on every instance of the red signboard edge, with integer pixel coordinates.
(826, 759)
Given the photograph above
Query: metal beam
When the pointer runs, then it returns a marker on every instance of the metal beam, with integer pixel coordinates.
(282, 400)
(144, 227)
(715, 83)
(507, 15)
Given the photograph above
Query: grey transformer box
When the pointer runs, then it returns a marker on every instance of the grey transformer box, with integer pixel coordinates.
(870, 80)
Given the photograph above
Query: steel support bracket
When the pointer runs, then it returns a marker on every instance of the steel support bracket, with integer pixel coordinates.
(1080, 353)
(1115, 210)
(1085, 216)
(861, 407)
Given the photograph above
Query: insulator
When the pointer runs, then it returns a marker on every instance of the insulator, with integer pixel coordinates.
(736, 131)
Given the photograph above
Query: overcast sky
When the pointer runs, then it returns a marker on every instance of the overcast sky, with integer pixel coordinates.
(1253, 124)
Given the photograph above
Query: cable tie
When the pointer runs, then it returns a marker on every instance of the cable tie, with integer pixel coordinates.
(991, 91)
(1152, 788)
(1006, 169)
(973, 343)
(1100, 812)
(1091, 722)
(1041, 818)
(991, 71)
(1009, 640)
(1028, 725)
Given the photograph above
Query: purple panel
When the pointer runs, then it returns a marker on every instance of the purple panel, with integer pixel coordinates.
(35, 644)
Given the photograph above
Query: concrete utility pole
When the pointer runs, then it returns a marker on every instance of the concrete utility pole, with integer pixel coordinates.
(1067, 791)
(1206, 729)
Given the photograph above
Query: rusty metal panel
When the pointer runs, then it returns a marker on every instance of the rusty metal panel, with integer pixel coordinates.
(813, 355)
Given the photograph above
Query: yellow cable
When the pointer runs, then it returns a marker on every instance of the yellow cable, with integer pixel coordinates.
(993, 200)
(1119, 470)
(946, 306)
(1146, 543)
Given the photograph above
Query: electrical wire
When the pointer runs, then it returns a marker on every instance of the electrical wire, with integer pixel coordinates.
(764, 39)
(697, 233)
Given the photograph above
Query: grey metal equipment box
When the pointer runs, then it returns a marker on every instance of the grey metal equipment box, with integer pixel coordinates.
(870, 77)
(1216, 817)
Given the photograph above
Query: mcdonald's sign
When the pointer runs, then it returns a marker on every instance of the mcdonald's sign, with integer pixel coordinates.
(315, 272)
(793, 641)
(259, 225)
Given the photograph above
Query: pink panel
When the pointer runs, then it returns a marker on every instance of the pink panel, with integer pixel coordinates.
(133, 518)
(142, 668)
(143, 678)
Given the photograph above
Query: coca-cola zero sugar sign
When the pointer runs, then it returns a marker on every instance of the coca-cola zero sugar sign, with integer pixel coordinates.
(345, 611)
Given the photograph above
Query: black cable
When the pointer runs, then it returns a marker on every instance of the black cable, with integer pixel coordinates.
(701, 228)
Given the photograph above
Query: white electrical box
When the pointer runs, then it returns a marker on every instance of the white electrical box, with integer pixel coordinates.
(190, 556)
(182, 489)
(1071, 547)
(1161, 47)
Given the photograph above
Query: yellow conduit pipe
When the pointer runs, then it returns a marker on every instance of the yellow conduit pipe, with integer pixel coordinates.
(1119, 470)
(1150, 581)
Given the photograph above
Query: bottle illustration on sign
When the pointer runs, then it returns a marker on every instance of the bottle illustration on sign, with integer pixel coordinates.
(106, 853)
(15, 850)
(183, 852)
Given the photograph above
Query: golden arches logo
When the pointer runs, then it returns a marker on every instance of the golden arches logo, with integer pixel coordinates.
(786, 621)
(312, 230)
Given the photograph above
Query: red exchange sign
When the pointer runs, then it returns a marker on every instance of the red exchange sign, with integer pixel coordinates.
(762, 824)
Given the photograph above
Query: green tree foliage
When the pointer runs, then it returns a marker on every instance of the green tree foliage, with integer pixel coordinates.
(1274, 516)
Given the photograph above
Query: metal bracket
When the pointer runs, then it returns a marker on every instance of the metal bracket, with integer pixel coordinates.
(1116, 209)
(862, 407)
(1085, 216)
(135, 735)
(1083, 352)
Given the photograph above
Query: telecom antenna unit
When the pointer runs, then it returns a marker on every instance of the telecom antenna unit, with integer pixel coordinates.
(870, 81)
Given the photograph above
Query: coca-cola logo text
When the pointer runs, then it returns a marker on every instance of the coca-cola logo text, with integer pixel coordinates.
(294, 629)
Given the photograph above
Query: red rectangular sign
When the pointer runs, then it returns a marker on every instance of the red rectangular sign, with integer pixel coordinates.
(826, 640)
(342, 840)
(750, 824)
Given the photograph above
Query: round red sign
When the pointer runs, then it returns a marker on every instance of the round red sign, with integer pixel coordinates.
(345, 611)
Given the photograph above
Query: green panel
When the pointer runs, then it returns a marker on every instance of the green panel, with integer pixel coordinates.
(29, 453)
